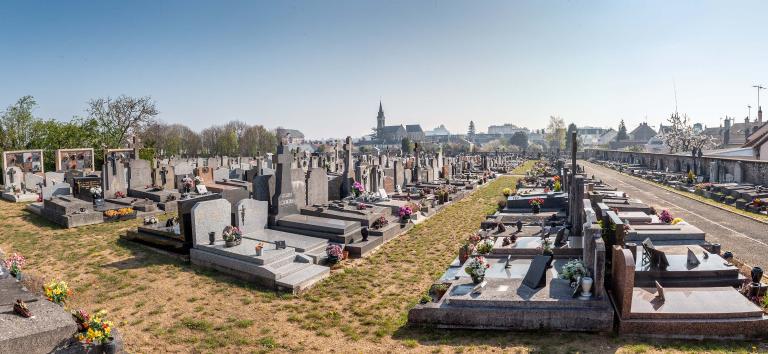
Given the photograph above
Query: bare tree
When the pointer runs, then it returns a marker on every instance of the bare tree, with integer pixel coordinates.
(556, 133)
(121, 117)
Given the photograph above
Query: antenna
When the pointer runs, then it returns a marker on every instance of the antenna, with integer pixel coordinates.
(674, 86)
(758, 87)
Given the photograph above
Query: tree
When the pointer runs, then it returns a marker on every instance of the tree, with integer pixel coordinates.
(622, 134)
(680, 137)
(534, 148)
(121, 117)
(406, 145)
(16, 124)
(555, 133)
(471, 131)
(519, 139)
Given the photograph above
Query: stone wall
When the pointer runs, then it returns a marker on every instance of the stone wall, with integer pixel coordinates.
(713, 169)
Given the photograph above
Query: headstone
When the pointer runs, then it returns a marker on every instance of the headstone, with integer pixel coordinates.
(139, 174)
(317, 186)
(283, 202)
(210, 216)
(659, 291)
(692, 260)
(251, 215)
(536, 277)
(55, 190)
(33, 182)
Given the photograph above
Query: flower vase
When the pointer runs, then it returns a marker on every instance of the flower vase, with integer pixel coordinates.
(586, 287)
(110, 347)
(463, 254)
(230, 244)
(259, 252)
(536, 209)
(477, 279)
(333, 259)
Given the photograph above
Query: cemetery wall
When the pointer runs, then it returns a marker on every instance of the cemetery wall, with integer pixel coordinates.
(715, 169)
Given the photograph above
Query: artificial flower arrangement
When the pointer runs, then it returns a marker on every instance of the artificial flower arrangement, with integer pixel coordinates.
(379, 223)
(484, 247)
(15, 263)
(361, 206)
(119, 194)
(405, 212)
(665, 216)
(232, 235)
(676, 221)
(93, 330)
(536, 201)
(506, 191)
(557, 186)
(188, 182)
(334, 253)
(96, 192)
(476, 268)
(119, 212)
(259, 247)
(198, 180)
(57, 292)
(573, 270)
(758, 202)
(703, 186)
(545, 248)
(691, 177)
(150, 220)
(357, 188)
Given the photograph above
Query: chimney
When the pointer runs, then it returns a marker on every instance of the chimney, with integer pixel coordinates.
(759, 114)
(727, 131)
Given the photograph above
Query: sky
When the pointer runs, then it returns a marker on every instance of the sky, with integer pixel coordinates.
(322, 66)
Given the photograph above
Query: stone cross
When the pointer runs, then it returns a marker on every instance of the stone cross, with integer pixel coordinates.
(11, 173)
(163, 173)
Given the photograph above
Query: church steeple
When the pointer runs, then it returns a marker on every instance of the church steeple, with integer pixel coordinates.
(380, 122)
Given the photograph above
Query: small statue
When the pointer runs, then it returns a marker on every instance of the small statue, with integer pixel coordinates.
(21, 309)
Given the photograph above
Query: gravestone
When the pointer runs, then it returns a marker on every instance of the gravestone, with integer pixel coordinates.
(165, 177)
(33, 182)
(81, 186)
(283, 201)
(209, 216)
(220, 174)
(299, 186)
(536, 277)
(52, 178)
(251, 215)
(55, 190)
(140, 174)
(114, 176)
(13, 178)
(317, 186)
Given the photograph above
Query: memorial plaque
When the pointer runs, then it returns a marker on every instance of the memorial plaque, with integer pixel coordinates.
(536, 277)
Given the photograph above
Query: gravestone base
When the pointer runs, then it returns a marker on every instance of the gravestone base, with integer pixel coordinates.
(21, 197)
(161, 237)
(49, 329)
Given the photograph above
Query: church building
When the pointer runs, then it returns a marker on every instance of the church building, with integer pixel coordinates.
(394, 134)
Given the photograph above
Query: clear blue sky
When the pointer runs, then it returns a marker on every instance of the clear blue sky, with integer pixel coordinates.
(322, 66)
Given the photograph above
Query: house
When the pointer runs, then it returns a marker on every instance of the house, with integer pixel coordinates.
(506, 129)
(638, 138)
(290, 136)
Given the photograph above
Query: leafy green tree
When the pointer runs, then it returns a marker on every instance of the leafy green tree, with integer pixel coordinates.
(519, 139)
(622, 134)
(406, 145)
(16, 124)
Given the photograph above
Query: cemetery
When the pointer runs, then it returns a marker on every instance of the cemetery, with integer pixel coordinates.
(562, 251)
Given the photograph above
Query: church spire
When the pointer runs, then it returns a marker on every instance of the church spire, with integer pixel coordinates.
(380, 122)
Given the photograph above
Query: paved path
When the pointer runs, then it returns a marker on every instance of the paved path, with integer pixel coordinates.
(747, 238)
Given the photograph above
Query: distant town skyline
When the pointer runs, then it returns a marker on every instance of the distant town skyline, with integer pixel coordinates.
(323, 67)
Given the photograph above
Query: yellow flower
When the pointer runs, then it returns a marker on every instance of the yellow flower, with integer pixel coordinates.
(677, 220)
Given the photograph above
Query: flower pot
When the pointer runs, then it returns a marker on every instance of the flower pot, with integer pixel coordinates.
(463, 255)
(333, 259)
(345, 254)
(477, 279)
(259, 252)
(586, 287)
(536, 208)
(230, 243)
(109, 347)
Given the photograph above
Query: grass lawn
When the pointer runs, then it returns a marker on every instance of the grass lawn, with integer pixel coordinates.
(161, 304)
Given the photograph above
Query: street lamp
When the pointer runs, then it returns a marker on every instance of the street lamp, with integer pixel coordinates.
(758, 87)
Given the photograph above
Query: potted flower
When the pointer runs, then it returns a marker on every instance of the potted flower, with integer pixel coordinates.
(57, 292)
(334, 253)
(259, 248)
(464, 251)
(573, 270)
(232, 236)
(96, 330)
(357, 188)
(14, 263)
(439, 290)
(476, 268)
(536, 204)
(188, 184)
(484, 247)
(665, 216)
(380, 223)
(405, 213)
(119, 194)
(506, 192)
(96, 194)
(676, 221)
(198, 180)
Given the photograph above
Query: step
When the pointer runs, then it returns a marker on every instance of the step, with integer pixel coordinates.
(300, 281)
(288, 269)
(359, 249)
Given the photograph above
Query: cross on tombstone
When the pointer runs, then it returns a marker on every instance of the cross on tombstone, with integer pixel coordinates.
(242, 215)
(112, 160)
(11, 173)
(163, 173)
